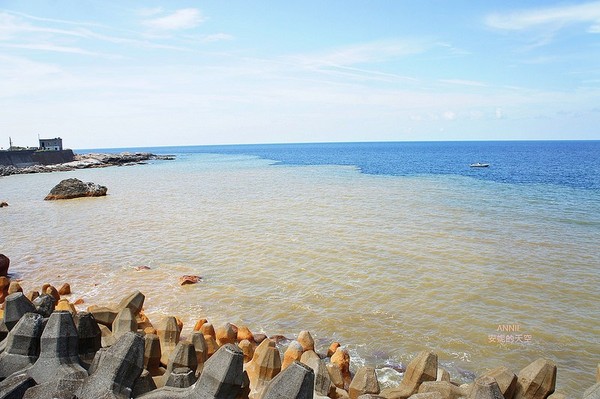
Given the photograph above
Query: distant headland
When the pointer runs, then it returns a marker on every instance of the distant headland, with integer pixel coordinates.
(65, 160)
(50, 156)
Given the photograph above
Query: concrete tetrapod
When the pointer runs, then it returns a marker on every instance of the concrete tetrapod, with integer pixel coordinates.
(422, 368)
(506, 379)
(117, 371)
(292, 353)
(152, 354)
(446, 389)
(22, 346)
(15, 306)
(57, 370)
(323, 384)
(169, 334)
(265, 364)
(364, 382)
(200, 347)
(44, 305)
(106, 315)
(90, 337)
(297, 381)
(59, 350)
(537, 380)
(184, 356)
(17, 387)
(485, 388)
(222, 378)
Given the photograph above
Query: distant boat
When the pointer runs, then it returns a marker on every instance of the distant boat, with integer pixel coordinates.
(479, 165)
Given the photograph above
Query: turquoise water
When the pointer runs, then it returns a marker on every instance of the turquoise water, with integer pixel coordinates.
(434, 255)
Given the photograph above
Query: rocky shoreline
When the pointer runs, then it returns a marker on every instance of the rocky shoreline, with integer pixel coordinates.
(86, 161)
(49, 349)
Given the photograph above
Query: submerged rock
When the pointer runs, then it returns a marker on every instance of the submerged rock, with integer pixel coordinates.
(189, 279)
(75, 188)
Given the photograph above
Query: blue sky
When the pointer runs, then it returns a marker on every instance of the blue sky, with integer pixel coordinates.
(147, 73)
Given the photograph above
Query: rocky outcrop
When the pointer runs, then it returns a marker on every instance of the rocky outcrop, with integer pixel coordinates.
(75, 188)
(86, 161)
(4, 264)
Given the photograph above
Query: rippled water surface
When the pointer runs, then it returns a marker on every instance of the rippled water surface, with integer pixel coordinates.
(386, 265)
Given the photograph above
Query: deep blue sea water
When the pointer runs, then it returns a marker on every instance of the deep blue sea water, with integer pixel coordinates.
(574, 164)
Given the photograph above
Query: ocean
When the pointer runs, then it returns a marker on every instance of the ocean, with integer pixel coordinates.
(388, 248)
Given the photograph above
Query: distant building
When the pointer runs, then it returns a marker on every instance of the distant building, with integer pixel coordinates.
(54, 144)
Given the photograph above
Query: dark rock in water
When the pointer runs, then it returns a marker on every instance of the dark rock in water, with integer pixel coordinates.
(189, 279)
(4, 264)
(75, 188)
(3, 204)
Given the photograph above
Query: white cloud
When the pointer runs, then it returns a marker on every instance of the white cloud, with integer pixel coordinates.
(560, 16)
(185, 18)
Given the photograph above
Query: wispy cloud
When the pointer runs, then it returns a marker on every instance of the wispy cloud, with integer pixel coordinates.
(365, 53)
(24, 31)
(557, 17)
(185, 18)
(53, 20)
(216, 37)
(462, 82)
(59, 49)
(208, 38)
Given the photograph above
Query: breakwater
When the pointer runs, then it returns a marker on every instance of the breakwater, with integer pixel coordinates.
(29, 161)
(24, 158)
(116, 350)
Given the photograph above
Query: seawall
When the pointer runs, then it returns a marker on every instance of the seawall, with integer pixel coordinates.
(24, 158)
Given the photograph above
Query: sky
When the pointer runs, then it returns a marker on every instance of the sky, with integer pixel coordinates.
(110, 74)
